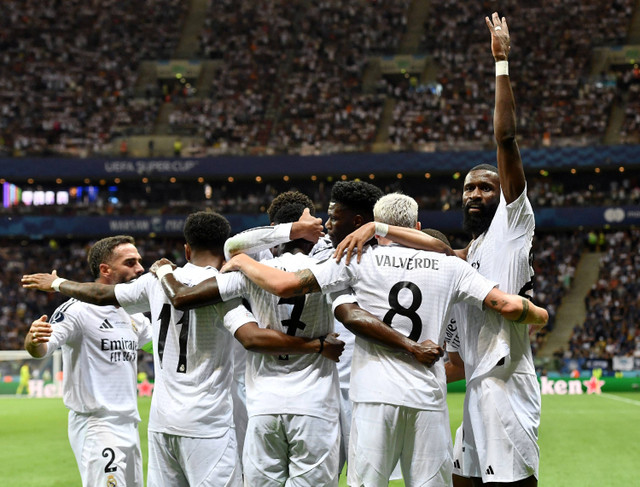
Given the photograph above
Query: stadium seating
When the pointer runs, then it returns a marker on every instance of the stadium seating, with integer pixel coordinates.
(295, 79)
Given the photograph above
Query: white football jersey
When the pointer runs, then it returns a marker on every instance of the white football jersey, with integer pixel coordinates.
(287, 384)
(413, 292)
(99, 357)
(192, 358)
(257, 241)
(323, 250)
(451, 336)
(502, 254)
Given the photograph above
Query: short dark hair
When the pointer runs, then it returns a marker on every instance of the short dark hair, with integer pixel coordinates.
(437, 234)
(289, 198)
(357, 196)
(289, 213)
(484, 167)
(102, 250)
(206, 230)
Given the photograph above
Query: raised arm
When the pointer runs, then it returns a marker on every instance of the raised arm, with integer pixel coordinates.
(276, 281)
(367, 326)
(516, 308)
(510, 170)
(88, 292)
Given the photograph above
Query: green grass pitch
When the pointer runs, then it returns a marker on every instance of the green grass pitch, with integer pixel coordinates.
(585, 441)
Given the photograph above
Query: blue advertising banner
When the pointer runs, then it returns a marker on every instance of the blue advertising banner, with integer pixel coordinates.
(450, 221)
(354, 163)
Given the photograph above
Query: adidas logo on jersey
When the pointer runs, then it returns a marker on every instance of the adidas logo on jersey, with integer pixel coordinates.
(489, 471)
(106, 325)
(456, 464)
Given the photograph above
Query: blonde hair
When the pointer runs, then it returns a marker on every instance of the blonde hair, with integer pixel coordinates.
(396, 209)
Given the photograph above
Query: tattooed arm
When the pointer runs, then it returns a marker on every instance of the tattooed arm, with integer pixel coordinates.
(516, 308)
(275, 281)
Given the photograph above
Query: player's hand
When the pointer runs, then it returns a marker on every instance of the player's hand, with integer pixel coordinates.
(307, 227)
(40, 330)
(355, 240)
(159, 263)
(235, 263)
(333, 347)
(427, 352)
(500, 40)
(41, 282)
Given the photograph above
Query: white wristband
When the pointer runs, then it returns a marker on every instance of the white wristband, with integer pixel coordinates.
(55, 285)
(381, 229)
(163, 270)
(502, 68)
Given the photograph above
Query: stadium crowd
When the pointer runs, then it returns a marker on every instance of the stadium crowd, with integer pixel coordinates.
(293, 79)
(613, 306)
(69, 70)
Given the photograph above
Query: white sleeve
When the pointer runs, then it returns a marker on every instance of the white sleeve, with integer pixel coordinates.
(65, 323)
(133, 296)
(143, 328)
(332, 276)
(235, 314)
(256, 240)
(520, 217)
(231, 285)
(472, 287)
(345, 296)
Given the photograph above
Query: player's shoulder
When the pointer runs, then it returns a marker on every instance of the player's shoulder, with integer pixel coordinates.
(141, 281)
(70, 310)
(192, 273)
(292, 262)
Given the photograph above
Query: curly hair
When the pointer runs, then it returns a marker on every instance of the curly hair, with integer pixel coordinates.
(289, 198)
(289, 213)
(206, 230)
(357, 196)
(102, 251)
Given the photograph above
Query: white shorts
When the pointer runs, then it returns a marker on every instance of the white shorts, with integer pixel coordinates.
(181, 461)
(107, 450)
(345, 426)
(294, 449)
(383, 433)
(458, 453)
(501, 419)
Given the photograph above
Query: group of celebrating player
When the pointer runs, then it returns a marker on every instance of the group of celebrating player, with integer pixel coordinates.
(377, 295)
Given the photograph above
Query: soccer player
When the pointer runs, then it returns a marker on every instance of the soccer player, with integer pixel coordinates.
(25, 377)
(99, 356)
(292, 400)
(191, 435)
(404, 394)
(350, 206)
(502, 405)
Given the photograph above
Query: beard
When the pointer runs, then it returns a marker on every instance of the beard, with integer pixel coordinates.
(478, 223)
